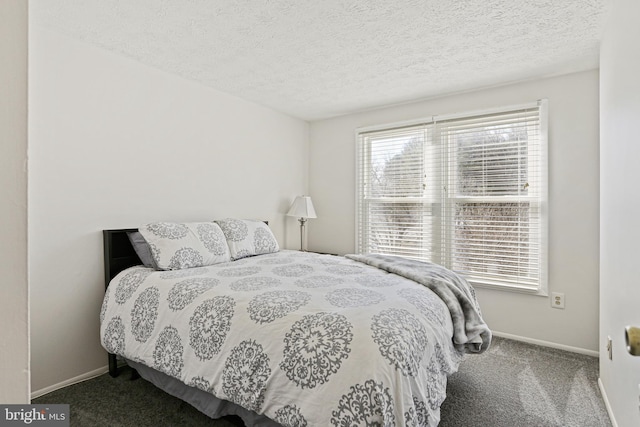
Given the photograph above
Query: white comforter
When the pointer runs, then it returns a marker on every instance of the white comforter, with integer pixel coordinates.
(303, 338)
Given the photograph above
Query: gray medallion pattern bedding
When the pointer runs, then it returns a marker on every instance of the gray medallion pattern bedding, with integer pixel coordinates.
(303, 338)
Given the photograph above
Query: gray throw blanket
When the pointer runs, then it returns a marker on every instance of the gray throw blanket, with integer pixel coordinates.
(470, 333)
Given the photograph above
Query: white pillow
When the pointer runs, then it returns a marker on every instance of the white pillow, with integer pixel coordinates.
(175, 246)
(247, 237)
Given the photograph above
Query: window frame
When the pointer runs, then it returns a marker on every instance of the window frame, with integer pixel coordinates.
(443, 254)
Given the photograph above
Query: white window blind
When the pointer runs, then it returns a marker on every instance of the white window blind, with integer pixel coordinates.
(467, 192)
(396, 209)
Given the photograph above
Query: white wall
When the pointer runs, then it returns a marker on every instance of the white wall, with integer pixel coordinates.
(620, 207)
(573, 193)
(113, 144)
(14, 309)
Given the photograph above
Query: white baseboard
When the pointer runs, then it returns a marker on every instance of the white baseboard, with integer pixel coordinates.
(547, 344)
(70, 381)
(606, 403)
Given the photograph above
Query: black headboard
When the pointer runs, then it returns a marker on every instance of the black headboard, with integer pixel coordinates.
(118, 253)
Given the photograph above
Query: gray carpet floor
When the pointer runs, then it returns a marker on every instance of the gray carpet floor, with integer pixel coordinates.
(513, 384)
(517, 384)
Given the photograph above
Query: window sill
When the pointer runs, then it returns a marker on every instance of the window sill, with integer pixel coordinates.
(510, 288)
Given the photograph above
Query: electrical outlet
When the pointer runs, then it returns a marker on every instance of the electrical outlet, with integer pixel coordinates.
(557, 300)
(609, 348)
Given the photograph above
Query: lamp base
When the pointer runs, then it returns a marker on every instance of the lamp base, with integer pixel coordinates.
(303, 222)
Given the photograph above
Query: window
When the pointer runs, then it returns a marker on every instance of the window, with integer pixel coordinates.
(467, 192)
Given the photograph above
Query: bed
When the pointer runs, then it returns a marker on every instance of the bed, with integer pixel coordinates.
(229, 322)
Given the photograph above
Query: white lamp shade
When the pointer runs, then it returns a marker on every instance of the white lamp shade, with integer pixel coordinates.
(302, 207)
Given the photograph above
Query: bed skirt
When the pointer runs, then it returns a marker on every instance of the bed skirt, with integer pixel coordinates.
(204, 402)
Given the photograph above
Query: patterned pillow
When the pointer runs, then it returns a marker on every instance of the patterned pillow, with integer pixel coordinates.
(176, 246)
(248, 237)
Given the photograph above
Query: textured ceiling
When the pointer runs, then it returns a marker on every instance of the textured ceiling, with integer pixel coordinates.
(315, 59)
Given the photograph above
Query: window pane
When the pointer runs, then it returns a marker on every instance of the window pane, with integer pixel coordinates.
(400, 229)
(397, 166)
(490, 160)
(494, 240)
